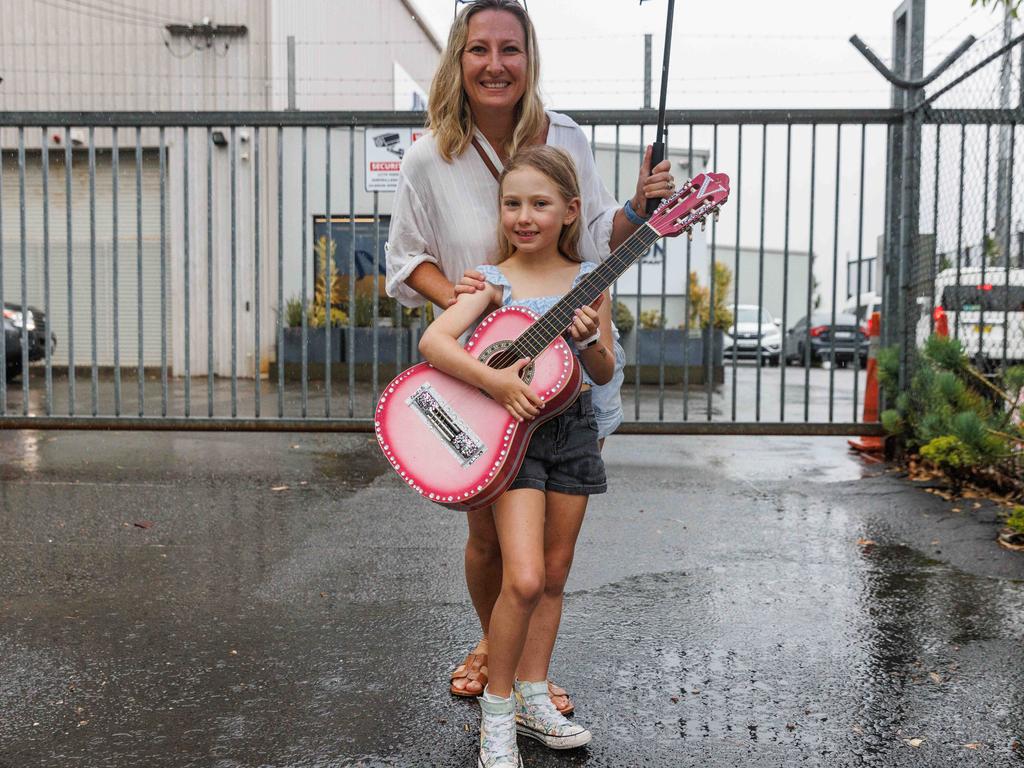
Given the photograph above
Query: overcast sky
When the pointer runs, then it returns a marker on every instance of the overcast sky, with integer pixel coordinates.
(741, 53)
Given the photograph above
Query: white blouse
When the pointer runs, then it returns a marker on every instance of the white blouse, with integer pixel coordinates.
(447, 213)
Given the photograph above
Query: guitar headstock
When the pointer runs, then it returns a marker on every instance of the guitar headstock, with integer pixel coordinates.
(702, 195)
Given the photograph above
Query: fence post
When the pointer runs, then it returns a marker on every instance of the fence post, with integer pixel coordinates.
(903, 180)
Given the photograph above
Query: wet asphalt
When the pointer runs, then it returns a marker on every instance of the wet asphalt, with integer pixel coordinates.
(282, 600)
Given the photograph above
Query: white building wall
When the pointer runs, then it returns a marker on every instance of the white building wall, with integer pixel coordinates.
(351, 55)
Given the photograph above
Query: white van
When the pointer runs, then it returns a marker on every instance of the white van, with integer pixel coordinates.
(982, 310)
(863, 306)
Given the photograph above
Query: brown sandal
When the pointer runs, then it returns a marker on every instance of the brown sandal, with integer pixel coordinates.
(474, 671)
(565, 706)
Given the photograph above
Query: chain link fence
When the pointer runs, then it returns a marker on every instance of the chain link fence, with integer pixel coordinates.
(964, 273)
(967, 265)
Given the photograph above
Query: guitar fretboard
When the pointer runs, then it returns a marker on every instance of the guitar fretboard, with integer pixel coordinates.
(553, 323)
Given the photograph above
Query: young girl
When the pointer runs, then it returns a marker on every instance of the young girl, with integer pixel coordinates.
(539, 517)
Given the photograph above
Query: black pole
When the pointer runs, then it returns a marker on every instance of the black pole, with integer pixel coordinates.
(658, 149)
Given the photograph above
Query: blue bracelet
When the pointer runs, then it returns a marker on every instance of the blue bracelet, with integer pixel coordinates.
(634, 218)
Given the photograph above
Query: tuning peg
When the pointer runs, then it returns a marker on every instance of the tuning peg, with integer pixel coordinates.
(703, 223)
(716, 215)
(689, 233)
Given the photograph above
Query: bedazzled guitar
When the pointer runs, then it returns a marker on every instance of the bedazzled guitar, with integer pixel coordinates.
(449, 441)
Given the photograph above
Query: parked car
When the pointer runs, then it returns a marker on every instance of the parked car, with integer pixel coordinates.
(863, 307)
(34, 322)
(742, 339)
(980, 310)
(849, 336)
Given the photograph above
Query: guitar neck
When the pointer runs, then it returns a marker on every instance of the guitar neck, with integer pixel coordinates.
(553, 323)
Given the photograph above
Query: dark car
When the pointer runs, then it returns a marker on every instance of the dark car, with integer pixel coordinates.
(847, 340)
(15, 322)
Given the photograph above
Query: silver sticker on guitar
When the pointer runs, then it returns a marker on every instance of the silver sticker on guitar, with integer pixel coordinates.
(442, 420)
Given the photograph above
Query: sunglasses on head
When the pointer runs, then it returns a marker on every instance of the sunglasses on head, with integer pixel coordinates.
(455, 13)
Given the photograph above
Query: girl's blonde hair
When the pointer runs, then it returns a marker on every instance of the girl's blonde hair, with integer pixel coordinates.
(558, 167)
(449, 115)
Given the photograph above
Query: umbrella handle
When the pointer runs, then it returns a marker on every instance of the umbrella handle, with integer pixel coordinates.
(657, 155)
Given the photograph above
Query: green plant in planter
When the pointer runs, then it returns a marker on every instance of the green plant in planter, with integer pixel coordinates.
(293, 312)
(651, 319)
(700, 299)
(327, 279)
(317, 313)
(623, 318)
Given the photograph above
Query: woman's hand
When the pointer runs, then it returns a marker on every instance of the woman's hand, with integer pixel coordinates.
(508, 389)
(585, 323)
(656, 182)
(471, 282)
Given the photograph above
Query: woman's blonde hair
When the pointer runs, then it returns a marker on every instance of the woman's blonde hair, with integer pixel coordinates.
(449, 115)
(556, 165)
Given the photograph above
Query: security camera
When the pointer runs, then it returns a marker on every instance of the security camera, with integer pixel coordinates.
(389, 142)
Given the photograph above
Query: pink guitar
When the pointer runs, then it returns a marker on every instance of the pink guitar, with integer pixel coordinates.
(452, 443)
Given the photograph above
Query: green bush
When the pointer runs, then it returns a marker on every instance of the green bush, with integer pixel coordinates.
(623, 318)
(1016, 519)
(651, 319)
(958, 419)
(293, 312)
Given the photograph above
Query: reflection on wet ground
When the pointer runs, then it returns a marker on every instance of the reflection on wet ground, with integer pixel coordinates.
(255, 600)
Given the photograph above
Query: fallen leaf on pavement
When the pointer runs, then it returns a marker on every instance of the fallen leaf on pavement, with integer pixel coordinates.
(279, 488)
(144, 524)
(914, 742)
(972, 745)
(935, 676)
(865, 542)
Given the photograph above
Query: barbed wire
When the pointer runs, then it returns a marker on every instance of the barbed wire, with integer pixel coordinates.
(638, 79)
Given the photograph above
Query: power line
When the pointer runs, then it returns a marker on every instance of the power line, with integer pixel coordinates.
(133, 14)
(133, 9)
(107, 17)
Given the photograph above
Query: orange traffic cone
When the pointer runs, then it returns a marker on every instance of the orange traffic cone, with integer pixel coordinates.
(941, 322)
(871, 443)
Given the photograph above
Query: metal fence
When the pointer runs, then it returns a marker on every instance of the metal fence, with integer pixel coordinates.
(174, 259)
(224, 270)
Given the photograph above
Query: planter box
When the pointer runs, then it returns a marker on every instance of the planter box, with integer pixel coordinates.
(394, 346)
(699, 351)
(396, 351)
(315, 352)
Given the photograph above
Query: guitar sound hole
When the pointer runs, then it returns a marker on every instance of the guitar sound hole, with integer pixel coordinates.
(500, 355)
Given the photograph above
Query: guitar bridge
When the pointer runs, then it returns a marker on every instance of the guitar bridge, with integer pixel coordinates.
(453, 432)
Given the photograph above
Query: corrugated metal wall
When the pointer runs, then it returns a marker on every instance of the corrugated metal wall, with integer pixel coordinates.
(76, 55)
(82, 241)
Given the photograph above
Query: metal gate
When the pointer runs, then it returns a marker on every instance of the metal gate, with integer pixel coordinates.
(256, 212)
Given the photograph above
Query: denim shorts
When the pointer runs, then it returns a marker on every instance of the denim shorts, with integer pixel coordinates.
(563, 454)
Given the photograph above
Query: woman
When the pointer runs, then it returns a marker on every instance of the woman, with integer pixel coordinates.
(484, 105)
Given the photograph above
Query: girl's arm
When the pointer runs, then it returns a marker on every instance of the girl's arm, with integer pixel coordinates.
(599, 360)
(440, 346)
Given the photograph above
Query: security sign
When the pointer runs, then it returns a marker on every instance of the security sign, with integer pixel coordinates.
(385, 148)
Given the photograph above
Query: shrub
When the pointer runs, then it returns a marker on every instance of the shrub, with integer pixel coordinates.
(293, 312)
(700, 297)
(651, 319)
(1016, 519)
(955, 417)
(623, 318)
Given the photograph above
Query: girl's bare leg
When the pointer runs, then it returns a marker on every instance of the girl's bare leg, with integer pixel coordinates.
(563, 520)
(519, 519)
